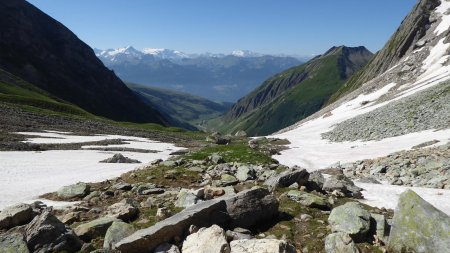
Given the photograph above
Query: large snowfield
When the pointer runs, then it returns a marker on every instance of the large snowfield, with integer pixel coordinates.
(26, 175)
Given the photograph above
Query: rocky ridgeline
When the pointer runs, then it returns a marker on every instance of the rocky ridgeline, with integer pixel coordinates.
(212, 205)
(421, 167)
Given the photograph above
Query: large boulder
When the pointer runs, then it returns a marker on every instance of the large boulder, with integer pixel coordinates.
(350, 218)
(13, 243)
(309, 200)
(15, 216)
(261, 246)
(315, 181)
(203, 214)
(245, 173)
(342, 184)
(249, 207)
(95, 228)
(418, 226)
(287, 178)
(207, 240)
(77, 190)
(45, 233)
(116, 232)
(340, 243)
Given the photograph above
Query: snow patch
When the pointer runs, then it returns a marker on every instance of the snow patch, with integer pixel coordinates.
(445, 22)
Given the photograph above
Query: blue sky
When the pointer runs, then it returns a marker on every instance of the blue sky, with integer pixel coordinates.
(302, 27)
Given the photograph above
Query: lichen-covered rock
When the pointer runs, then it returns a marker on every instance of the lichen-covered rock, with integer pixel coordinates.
(350, 218)
(77, 190)
(95, 228)
(13, 243)
(15, 215)
(418, 226)
(207, 240)
(245, 173)
(227, 179)
(45, 233)
(309, 200)
(340, 243)
(116, 232)
(261, 246)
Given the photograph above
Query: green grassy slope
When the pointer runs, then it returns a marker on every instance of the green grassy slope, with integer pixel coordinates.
(181, 106)
(293, 95)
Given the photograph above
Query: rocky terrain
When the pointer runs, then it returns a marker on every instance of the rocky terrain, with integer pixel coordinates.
(219, 199)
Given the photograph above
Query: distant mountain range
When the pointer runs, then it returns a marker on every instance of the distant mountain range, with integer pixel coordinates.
(218, 77)
(295, 93)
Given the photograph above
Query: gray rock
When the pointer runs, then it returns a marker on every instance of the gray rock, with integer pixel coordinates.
(418, 226)
(15, 216)
(261, 246)
(315, 181)
(201, 215)
(233, 235)
(122, 186)
(139, 189)
(250, 207)
(227, 179)
(340, 243)
(245, 173)
(125, 210)
(207, 240)
(343, 184)
(13, 243)
(116, 232)
(95, 228)
(77, 190)
(119, 158)
(380, 226)
(216, 159)
(45, 233)
(309, 200)
(169, 163)
(167, 248)
(368, 180)
(186, 198)
(288, 177)
(350, 218)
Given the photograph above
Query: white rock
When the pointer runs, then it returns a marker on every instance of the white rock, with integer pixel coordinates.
(207, 240)
(261, 246)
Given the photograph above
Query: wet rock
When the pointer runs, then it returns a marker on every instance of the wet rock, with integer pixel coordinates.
(15, 216)
(207, 240)
(116, 232)
(45, 233)
(119, 158)
(95, 228)
(309, 200)
(13, 243)
(261, 246)
(287, 178)
(418, 226)
(340, 243)
(77, 190)
(350, 218)
(249, 207)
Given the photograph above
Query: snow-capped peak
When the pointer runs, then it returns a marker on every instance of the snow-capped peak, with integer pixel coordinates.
(245, 53)
(165, 53)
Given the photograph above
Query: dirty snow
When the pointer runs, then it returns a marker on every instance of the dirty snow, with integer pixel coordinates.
(26, 175)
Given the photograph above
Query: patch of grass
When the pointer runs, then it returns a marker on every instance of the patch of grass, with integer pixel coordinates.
(234, 152)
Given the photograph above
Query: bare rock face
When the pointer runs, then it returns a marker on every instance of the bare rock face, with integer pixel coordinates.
(45, 233)
(15, 216)
(418, 226)
(261, 246)
(207, 240)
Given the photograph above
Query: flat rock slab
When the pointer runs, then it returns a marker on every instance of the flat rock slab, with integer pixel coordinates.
(95, 228)
(201, 215)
